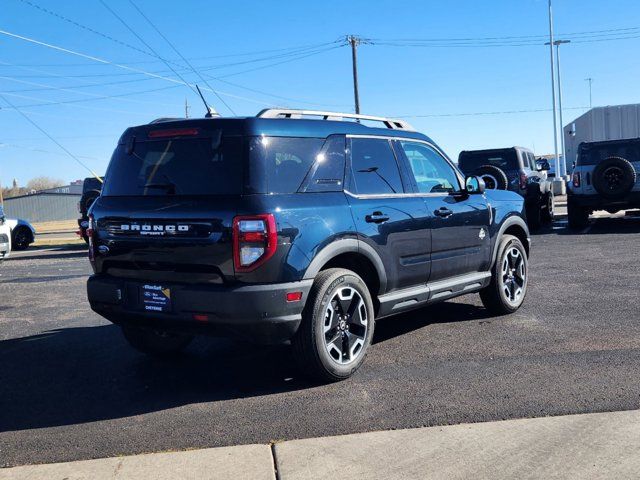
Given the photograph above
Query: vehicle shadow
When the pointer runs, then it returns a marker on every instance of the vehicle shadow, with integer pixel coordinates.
(85, 374)
(597, 226)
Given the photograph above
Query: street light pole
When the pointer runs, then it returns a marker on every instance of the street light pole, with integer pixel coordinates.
(553, 93)
(590, 80)
(563, 164)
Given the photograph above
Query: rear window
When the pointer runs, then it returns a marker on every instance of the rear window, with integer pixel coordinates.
(182, 166)
(280, 164)
(594, 154)
(503, 159)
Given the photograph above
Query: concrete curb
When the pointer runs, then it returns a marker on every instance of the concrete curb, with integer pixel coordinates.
(587, 446)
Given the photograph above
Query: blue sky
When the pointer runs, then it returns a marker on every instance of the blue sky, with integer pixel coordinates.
(431, 86)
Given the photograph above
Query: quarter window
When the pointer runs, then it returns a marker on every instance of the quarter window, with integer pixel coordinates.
(374, 169)
(431, 170)
(327, 171)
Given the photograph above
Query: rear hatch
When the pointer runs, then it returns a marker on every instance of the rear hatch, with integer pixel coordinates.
(168, 201)
(506, 159)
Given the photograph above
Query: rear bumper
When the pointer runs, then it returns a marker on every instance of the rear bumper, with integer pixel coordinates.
(259, 313)
(597, 202)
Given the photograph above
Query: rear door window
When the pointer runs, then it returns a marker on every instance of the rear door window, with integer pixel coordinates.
(374, 169)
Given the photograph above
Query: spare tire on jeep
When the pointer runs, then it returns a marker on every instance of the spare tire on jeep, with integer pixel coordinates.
(494, 177)
(614, 177)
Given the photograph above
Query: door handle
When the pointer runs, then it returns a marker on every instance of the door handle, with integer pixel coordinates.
(443, 212)
(376, 217)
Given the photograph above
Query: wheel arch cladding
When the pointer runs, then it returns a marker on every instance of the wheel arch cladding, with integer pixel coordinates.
(517, 227)
(354, 256)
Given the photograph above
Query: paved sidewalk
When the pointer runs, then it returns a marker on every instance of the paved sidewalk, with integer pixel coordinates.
(590, 446)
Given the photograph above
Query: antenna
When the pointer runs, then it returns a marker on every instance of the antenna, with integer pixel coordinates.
(210, 111)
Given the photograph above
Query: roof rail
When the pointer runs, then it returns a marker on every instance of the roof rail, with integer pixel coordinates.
(286, 113)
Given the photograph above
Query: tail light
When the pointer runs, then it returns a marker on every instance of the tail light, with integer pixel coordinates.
(90, 233)
(254, 241)
(523, 181)
(576, 179)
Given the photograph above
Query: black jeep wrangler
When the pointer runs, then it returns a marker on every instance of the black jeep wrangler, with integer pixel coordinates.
(283, 227)
(515, 169)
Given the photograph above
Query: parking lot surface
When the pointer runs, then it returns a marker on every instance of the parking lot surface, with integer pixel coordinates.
(71, 388)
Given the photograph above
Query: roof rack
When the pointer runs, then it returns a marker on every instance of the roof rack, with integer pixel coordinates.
(286, 113)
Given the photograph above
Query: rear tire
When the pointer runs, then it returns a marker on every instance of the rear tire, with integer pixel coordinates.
(20, 238)
(548, 208)
(154, 342)
(509, 278)
(337, 326)
(578, 216)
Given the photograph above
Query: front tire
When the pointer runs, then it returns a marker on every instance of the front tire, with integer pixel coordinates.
(155, 343)
(337, 326)
(509, 277)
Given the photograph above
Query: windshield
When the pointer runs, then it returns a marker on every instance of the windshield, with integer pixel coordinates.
(194, 166)
(594, 154)
(503, 159)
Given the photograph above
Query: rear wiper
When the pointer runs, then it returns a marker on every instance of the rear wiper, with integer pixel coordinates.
(170, 187)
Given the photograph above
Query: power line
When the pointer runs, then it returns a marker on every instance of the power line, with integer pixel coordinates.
(473, 114)
(100, 60)
(96, 96)
(179, 54)
(154, 53)
(28, 119)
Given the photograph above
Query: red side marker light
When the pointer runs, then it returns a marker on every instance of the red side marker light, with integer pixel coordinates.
(200, 317)
(294, 296)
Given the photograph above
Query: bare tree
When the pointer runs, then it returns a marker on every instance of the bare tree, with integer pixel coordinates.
(43, 183)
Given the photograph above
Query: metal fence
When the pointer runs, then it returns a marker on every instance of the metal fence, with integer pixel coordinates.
(43, 207)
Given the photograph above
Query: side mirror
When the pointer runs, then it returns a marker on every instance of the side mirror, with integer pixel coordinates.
(543, 165)
(474, 185)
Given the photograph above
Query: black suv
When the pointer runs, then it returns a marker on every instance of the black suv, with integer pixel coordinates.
(515, 169)
(91, 187)
(282, 227)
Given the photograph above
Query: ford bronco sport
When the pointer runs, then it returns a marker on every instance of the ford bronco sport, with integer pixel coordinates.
(605, 177)
(514, 169)
(283, 227)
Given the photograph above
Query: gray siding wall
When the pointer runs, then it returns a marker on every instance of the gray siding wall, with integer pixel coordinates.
(43, 207)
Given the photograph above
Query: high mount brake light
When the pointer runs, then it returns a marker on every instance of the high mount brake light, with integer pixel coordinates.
(173, 132)
(254, 241)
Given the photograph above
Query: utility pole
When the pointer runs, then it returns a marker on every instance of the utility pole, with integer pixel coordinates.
(563, 164)
(590, 80)
(354, 42)
(186, 108)
(553, 95)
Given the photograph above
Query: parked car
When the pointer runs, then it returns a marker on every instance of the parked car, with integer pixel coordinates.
(91, 188)
(22, 233)
(605, 177)
(282, 227)
(5, 236)
(514, 169)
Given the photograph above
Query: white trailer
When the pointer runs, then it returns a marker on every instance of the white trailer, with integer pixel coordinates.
(601, 123)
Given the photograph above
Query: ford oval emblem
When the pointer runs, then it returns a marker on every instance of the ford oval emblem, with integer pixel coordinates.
(103, 249)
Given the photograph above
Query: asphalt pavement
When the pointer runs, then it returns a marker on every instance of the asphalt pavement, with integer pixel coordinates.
(72, 389)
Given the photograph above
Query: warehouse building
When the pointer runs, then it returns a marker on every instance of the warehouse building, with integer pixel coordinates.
(43, 207)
